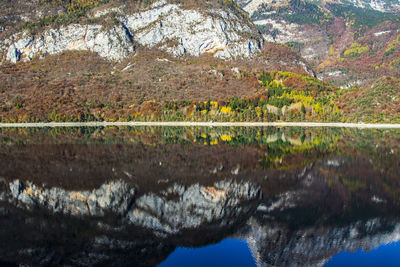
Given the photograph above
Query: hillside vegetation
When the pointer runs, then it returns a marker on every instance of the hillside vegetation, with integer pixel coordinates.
(378, 103)
(152, 87)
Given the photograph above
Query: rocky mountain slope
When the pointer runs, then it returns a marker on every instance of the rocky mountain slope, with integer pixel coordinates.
(171, 27)
(391, 6)
(335, 35)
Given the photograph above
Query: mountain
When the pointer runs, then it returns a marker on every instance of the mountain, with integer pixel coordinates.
(88, 53)
(84, 60)
(335, 35)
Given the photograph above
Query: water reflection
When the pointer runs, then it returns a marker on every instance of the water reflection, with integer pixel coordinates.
(385, 255)
(229, 252)
(138, 196)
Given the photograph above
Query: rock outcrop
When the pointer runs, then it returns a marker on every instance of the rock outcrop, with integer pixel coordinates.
(179, 31)
(169, 27)
(112, 44)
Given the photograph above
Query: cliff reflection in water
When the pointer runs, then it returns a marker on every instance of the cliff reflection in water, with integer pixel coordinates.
(130, 196)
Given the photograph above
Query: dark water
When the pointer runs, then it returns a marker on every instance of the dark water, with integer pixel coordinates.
(199, 197)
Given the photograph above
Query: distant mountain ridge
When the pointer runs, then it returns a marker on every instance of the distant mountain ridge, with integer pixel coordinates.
(379, 5)
(392, 6)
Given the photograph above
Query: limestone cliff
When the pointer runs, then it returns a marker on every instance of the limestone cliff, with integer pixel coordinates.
(167, 26)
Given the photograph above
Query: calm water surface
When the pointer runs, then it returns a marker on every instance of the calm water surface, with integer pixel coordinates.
(164, 196)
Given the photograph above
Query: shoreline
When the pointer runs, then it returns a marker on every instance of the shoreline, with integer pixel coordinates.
(200, 124)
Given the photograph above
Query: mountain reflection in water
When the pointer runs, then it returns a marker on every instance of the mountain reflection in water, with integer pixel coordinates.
(141, 196)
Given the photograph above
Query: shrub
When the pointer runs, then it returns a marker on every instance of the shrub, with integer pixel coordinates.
(392, 45)
(355, 50)
(280, 102)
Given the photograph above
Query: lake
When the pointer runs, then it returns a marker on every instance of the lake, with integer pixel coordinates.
(199, 196)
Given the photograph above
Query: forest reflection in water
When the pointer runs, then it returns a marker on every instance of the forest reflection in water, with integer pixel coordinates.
(140, 195)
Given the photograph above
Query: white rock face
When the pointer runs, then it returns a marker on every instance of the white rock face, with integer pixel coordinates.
(376, 34)
(168, 27)
(113, 44)
(178, 31)
(250, 6)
